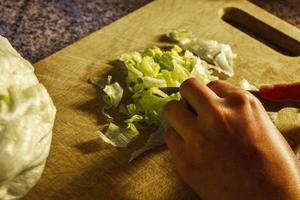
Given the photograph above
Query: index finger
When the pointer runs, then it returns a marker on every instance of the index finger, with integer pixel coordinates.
(180, 118)
(199, 96)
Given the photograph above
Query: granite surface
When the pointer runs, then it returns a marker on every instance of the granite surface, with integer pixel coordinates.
(39, 28)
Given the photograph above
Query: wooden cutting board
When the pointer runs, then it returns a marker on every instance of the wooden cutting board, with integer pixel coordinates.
(80, 166)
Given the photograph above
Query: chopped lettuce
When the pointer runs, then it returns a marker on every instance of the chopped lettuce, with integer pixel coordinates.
(99, 81)
(181, 35)
(150, 82)
(154, 68)
(151, 103)
(215, 53)
(117, 136)
(113, 94)
(146, 72)
(131, 108)
(135, 118)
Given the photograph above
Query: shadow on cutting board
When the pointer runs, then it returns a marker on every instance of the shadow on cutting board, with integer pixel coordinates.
(90, 146)
(152, 177)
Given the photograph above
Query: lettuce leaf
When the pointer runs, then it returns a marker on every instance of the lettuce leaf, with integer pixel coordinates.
(113, 94)
(151, 103)
(117, 136)
(215, 53)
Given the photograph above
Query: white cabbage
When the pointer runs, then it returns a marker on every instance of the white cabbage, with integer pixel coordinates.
(26, 119)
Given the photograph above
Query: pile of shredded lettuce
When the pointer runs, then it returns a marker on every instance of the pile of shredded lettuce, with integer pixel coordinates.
(148, 71)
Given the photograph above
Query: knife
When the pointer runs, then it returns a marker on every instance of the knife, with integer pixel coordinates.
(269, 105)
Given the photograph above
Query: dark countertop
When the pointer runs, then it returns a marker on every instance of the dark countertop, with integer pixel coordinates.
(39, 28)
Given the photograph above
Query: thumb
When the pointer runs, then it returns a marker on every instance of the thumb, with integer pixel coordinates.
(281, 92)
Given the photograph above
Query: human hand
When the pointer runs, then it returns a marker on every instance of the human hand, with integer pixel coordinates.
(281, 92)
(225, 146)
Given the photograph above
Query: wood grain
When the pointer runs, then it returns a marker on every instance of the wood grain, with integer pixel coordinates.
(82, 167)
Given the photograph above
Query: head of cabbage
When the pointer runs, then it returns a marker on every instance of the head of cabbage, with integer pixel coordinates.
(26, 119)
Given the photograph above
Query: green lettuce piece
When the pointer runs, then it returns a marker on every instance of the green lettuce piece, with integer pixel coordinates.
(135, 118)
(148, 67)
(153, 52)
(179, 72)
(132, 129)
(150, 82)
(151, 104)
(170, 80)
(181, 35)
(132, 110)
(130, 61)
(98, 81)
(113, 94)
(133, 122)
(117, 136)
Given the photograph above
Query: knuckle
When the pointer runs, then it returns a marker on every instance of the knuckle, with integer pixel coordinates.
(242, 97)
(245, 98)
